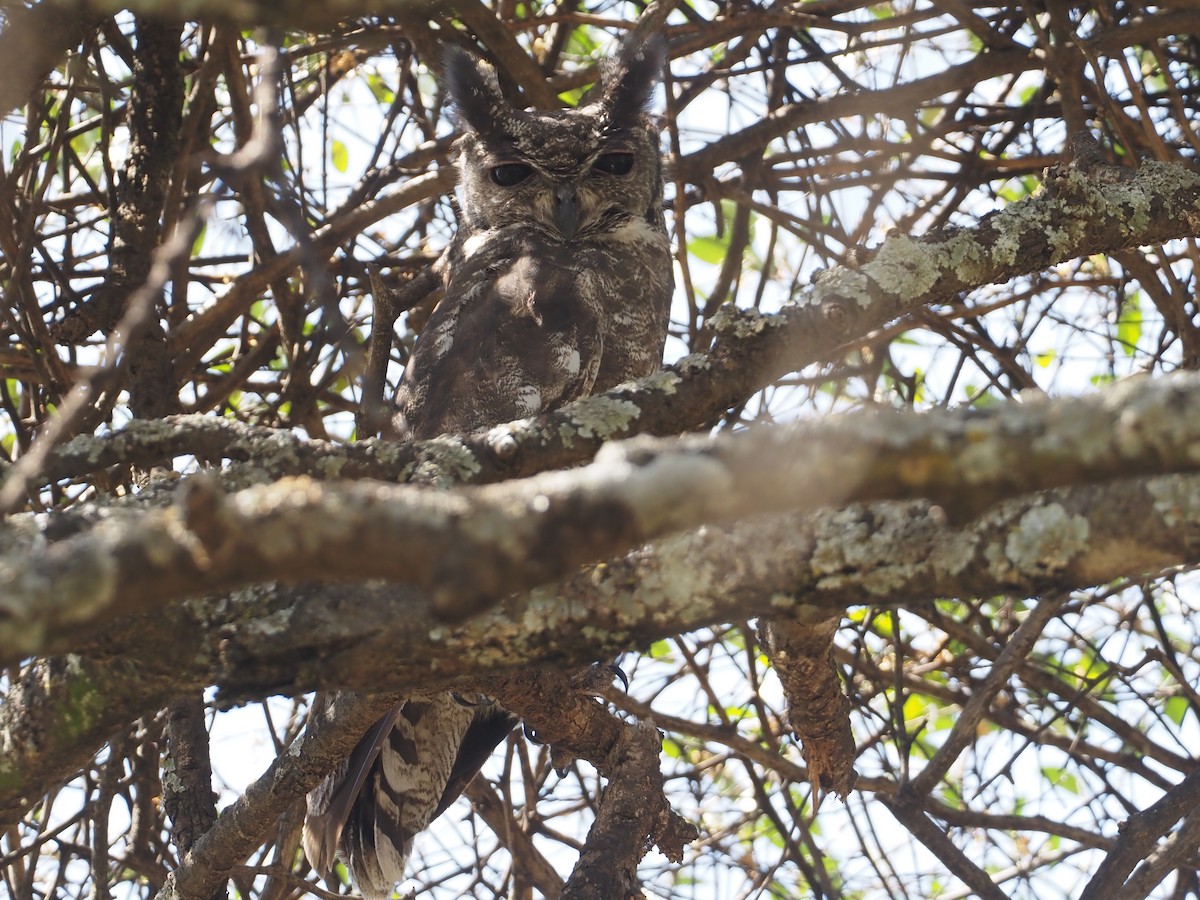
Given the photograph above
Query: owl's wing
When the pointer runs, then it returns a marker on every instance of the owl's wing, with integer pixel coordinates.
(519, 332)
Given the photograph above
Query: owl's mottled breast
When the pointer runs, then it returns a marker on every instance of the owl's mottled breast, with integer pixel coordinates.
(530, 322)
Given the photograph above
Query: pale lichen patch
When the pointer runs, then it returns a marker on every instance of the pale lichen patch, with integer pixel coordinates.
(664, 381)
(904, 267)
(679, 576)
(740, 323)
(329, 468)
(599, 417)
(834, 537)
(445, 460)
(954, 554)
(844, 282)
(1005, 248)
(691, 364)
(1058, 238)
(1176, 500)
(848, 550)
(544, 612)
(1047, 539)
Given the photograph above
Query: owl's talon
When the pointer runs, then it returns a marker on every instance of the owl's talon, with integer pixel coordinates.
(531, 734)
(594, 680)
(619, 673)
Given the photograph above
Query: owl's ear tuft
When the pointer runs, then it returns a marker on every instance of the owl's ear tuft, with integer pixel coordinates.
(472, 88)
(627, 85)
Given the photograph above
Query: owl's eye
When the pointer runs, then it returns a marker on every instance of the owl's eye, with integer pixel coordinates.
(619, 163)
(511, 174)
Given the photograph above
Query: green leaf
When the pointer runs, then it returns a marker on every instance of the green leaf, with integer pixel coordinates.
(1012, 191)
(979, 398)
(582, 42)
(1129, 323)
(708, 249)
(930, 115)
(1176, 708)
(661, 650)
(917, 707)
(198, 243)
(340, 156)
(1061, 778)
(380, 89)
(572, 97)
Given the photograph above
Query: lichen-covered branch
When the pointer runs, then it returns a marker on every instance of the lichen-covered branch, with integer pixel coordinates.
(1158, 202)
(274, 639)
(889, 554)
(469, 548)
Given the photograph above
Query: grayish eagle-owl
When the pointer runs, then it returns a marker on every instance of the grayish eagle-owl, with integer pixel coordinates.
(557, 285)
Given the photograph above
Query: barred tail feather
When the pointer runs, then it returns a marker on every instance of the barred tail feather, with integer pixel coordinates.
(403, 773)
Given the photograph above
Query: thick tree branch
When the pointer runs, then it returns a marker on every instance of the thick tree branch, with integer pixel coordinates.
(62, 710)
(272, 640)
(470, 548)
(885, 554)
(1159, 202)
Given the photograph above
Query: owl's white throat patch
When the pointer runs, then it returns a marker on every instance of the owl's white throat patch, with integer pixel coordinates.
(637, 230)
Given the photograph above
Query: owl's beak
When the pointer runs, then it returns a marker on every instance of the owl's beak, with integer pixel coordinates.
(566, 212)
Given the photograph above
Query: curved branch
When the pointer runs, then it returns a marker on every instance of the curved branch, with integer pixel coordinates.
(632, 801)
(1159, 202)
(468, 549)
(264, 641)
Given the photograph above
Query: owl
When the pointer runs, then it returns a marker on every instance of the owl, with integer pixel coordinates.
(558, 284)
